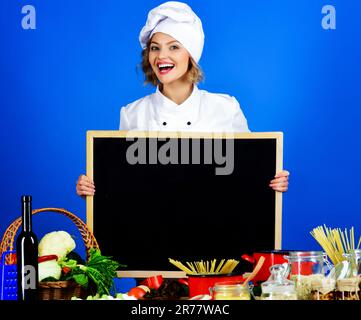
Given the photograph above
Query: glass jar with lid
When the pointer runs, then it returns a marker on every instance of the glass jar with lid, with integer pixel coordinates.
(278, 287)
(231, 290)
(349, 278)
(323, 289)
(353, 258)
(305, 267)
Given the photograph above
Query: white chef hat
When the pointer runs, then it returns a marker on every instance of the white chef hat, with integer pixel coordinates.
(179, 21)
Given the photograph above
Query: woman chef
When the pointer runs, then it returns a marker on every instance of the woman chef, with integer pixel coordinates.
(172, 41)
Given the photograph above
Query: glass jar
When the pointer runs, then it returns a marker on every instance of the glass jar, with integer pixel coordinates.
(230, 291)
(353, 258)
(305, 267)
(349, 282)
(277, 287)
(348, 289)
(323, 289)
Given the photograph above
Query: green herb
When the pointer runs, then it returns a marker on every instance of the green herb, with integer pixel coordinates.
(81, 279)
(99, 270)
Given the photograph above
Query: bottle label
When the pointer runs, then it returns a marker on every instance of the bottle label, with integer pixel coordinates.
(29, 277)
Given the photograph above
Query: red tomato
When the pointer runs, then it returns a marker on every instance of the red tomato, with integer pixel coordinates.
(136, 292)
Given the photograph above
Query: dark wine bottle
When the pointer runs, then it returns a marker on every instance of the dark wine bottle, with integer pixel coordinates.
(27, 255)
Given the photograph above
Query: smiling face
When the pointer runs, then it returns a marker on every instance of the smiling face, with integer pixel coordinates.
(168, 58)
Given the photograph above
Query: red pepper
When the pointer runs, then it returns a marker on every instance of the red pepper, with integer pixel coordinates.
(183, 281)
(48, 258)
(136, 292)
(153, 282)
(65, 269)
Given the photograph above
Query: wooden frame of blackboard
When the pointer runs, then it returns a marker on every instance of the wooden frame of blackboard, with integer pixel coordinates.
(91, 135)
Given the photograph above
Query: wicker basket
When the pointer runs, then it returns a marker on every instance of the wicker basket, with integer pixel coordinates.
(57, 290)
(61, 290)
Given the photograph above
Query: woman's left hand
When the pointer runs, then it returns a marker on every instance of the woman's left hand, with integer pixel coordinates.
(280, 182)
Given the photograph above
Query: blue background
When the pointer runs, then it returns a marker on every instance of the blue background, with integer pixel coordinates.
(75, 71)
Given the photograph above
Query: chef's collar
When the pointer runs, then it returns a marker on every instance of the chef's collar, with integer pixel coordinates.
(174, 117)
(165, 105)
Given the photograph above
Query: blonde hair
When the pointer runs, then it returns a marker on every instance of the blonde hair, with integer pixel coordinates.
(194, 74)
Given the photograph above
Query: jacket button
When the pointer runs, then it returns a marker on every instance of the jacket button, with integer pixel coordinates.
(189, 123)
(164, 123)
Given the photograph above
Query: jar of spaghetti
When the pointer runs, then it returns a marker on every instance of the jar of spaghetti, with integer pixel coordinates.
(231, 291)
(305, 267)
(353, 258)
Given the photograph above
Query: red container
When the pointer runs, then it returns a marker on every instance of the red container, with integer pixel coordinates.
(272, 257)
(200, 284)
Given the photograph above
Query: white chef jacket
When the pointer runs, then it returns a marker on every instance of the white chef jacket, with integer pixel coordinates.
(201, 112)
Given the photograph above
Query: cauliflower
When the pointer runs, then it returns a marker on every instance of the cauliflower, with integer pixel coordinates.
(49, 269)
(56, 242)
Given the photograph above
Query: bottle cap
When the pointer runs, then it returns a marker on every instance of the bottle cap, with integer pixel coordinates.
(26, 198)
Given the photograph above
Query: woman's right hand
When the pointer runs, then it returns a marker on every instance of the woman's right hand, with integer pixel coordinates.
(85, 186)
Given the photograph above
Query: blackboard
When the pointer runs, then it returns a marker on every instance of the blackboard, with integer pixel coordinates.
(146, 210)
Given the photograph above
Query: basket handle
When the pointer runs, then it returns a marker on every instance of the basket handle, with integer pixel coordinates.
(7, 242)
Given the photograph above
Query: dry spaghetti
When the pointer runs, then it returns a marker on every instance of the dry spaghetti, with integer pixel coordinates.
(335, 242)
(206, 267)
